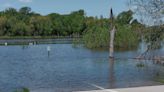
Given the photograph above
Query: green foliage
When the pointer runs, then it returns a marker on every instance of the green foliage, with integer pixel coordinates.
(77, 21)
(151, 13)
(21, 29)
(72, 24)
(154, 36)
(125, 17)
(40, 26)
(25, 10)
(24, 22)
(159, 78)
(140, 65)
(96, 37)
(3, 23)
(10, 12)
(97, 32)
(23, 90)
(125, 37)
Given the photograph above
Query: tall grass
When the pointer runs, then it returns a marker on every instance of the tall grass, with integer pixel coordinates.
(98, 37)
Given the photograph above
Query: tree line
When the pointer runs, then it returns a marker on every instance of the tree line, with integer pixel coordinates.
(93, 30)
(24, 22)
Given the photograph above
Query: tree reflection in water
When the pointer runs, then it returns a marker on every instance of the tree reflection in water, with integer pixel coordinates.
(112, 73)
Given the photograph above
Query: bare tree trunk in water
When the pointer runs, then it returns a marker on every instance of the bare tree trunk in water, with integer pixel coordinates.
(112, 35)
(111, 49)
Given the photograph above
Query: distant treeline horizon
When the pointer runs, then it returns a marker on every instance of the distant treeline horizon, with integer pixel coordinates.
(93, 30)
(25, 22)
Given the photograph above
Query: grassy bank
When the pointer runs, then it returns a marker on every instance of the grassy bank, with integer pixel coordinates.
(36, 37)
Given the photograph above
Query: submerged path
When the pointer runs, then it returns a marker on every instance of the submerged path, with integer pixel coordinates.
(136, 89)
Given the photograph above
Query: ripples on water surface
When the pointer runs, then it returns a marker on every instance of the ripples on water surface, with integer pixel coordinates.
(70, 69)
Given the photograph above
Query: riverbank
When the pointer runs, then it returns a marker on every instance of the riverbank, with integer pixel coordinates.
(35, 37)
(26, 40)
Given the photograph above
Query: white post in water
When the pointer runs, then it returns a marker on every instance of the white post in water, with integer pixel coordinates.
(112, 35)
(30, 44)
(48, 50)
(5, 43)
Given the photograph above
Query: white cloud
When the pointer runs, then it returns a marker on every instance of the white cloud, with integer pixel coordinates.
(25, 1)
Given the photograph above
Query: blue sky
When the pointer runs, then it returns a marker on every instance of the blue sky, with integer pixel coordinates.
(91, 7)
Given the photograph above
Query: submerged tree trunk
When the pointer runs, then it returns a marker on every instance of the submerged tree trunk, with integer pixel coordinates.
(111, 45)
(112, 36)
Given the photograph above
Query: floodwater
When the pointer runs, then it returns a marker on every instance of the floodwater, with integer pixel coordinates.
(67, 68)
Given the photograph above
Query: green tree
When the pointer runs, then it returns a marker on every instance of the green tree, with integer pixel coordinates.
(10, 12)
(41, 26)
(96, 34)
(77, 20)
(3, 23)
(21, 29)
(25, 10)
(151, 12)
(125, 17)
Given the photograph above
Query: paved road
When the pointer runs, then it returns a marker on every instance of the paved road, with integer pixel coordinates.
(136, 89)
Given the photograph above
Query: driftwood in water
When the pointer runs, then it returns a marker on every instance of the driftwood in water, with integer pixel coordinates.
(155, 59)
(159, 60)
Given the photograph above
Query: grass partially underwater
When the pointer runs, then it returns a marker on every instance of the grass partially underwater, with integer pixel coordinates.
(22, 90)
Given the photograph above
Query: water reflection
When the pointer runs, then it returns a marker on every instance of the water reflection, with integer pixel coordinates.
(24, 47)
(48, 50)
(112, 73)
